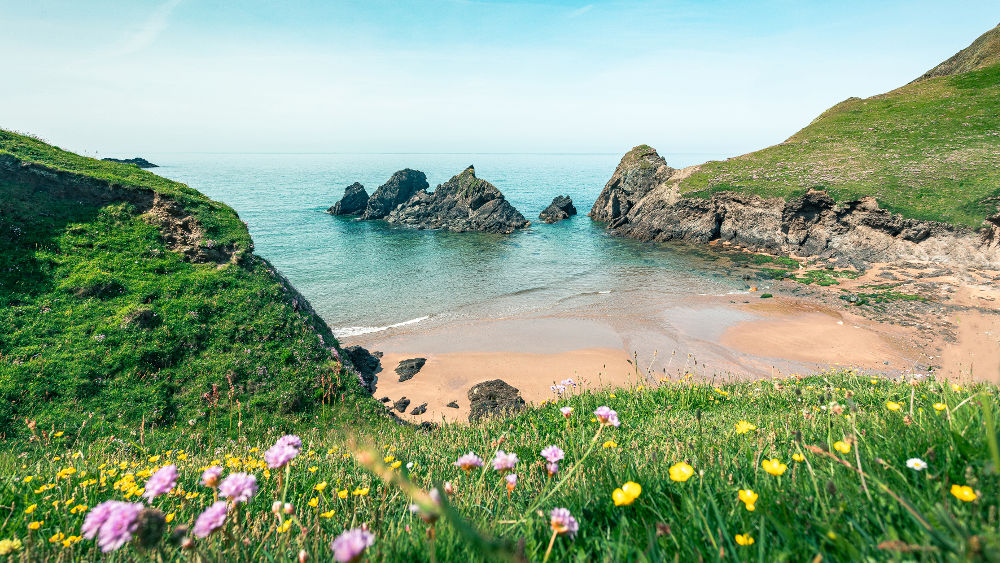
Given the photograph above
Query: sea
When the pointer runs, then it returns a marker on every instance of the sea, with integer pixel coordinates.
(367, 277)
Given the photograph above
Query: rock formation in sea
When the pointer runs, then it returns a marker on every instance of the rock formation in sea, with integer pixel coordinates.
(643, 201)
(463, 203)
(400, 188)
(493, 398)
(355, 201)
(408, 368)
(138, 161)
(560, 208)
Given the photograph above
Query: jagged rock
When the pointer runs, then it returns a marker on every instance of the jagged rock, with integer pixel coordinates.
(354, 201)
(560, 208)
(385, 399)
(367, 364)
(399, 189)
(140, 162)
(453, 405)
(408, 368)
(419, 410)
(493, 398)
(401, 404)
(463, 203)
(640, 170)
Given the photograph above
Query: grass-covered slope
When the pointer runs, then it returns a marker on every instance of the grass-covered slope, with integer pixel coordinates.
(103, 320)
(929, 150)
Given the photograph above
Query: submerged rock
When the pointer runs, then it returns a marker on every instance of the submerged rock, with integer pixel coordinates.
(493, 398)
(399, 189)
(366, 363)
(140, 162)
(560, 208)
(463, 203)
(354, 201)
(408, 368)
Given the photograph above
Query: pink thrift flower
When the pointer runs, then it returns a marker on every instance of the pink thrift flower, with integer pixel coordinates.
(238, 487)
(113, 522)
(351, 544)
(96, 517)
(552, 468)
(607, 416)
(504, 461)
(279, 455)
(468, 461)
(566, 411)
(511, 481)
(210, 477)
(290, 440)
(210, 520)
(562, 522)
(553, 453)
(161, 482)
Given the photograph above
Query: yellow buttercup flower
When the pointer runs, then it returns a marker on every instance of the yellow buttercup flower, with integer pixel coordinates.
(956, 387)
(744, 539)
(170, 518)
(842, 447)
(327, 514)
(892, 405)
(610, 444)
(773, 466)
(10, 546)
(57, 537)
(30, 509)
(284, 526)
(632, 489)
(342, 493)
(71, 540)
(742, 427)
(681, 471)
(963, 493)
(320, 486)
(313, 502)
(313, 469)
(396, 464)
(798, 457)
(57, 434)
(28, 479)
(940, 406)
(749, 498)
(627, 494)
(78, 508)
(389, 458)
(35, 525)
(359, 492)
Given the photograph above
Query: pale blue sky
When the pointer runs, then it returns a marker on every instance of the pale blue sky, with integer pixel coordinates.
(456, 76)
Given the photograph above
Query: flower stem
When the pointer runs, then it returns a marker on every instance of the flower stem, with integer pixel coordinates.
(552, 541)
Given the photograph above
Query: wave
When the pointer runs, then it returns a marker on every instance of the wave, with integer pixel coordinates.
(349, 331)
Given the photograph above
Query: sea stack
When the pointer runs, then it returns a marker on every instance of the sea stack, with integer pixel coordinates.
(560, 208)
(396, 191)
(640, 170)
(354, 201)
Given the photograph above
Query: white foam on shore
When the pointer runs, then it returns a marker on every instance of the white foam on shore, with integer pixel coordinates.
(349, 331)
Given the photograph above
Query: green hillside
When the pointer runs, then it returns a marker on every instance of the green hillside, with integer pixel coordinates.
(128, 297)
(929, 150)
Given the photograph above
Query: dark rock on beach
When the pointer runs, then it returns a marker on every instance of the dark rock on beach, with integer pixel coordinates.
(453, 405)
(419, 410)
(140, 162)
(493, 398)
(408, 368)
(366, 363)
(463, 203)
(385, 399)
(354, 201)
(560, 208)
(401, 404)
(399, 189)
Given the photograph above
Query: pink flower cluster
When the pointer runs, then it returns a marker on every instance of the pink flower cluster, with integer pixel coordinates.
(283, 451)
(238, 487)
(113, 522)
(468, 461)
(562, 522)
(351, 544)
(504, 461)
(161, 482)
(553, 454)
(607, 416)
(212, 519)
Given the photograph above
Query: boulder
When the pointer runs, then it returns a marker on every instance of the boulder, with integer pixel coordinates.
(354, 201)
(419, 410)
(493, 398)
(401, 404)
(367, 364)
(452, 405)
(399, 189)
(560, 208)
(408, 368)
(463, 203)
(137, 161)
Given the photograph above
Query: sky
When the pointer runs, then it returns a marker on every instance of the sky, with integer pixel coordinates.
(129, 77)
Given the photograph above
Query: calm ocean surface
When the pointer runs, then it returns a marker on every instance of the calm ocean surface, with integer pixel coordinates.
(365, 276)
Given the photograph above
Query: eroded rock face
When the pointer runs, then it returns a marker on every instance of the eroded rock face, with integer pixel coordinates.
(401, 404)
(354, 201)
(408, 368)
(368, 365)
(642, 202)
(399, 189)
(493, 398)
(560, 208)
(463, 203)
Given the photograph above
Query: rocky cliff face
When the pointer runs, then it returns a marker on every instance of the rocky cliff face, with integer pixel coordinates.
(642, 201)
(463, 203)
(399, 189)
(355, 201)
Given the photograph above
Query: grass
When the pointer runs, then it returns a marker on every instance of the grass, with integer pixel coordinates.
(929, 150)
(820, 507)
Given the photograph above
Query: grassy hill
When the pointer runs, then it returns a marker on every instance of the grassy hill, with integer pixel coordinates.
(928, 150)
(128, 298)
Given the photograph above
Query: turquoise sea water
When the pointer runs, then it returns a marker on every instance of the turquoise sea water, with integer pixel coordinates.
(365, 276)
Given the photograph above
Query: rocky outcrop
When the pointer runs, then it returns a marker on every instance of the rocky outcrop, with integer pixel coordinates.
(399, 189)
(646, 205)
(408, 368)
(493, 398)
(452, 405)
(560, 208)
(463, 203)
(366, 363)
(417, 411)
(401, 404)
(140, 162)
(355, 201)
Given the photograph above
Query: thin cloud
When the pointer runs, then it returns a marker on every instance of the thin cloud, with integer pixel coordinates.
(580, 11)
(150, 29)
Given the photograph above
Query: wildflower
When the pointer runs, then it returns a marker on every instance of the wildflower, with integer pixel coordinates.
(410, 465)
(57, 434)
(290, 440)
(963, 493)
(320, 487)
(359, 492)
(342, 493)
(610, 444)
(566, 411)
(744, 539)
(57, 537)
(607, 416)
(28, 479)
(10, 546)
(351, 545)
(681, 471)
(552, 468)
(113, 522)
(553, 453)
(30, 509)
(210, 477)
(35, 525)
(313, 469)
(568, 382)
(238, 487)
(562, 522)
(327, 514)
(161, 482)
(283, 451)
(956, 387)
(749, 498)
(504, 461)
(892, 405)
(397, 463)
(169, 518)
(773, 466)
(210, 520)
(449, 488)
(627, 494)
(284, 526)
(798, 457)
(511, 481)
(742, 427)
(842, 447)
(313, 502)
(916, 464)
(468, 461)
(940, 406)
